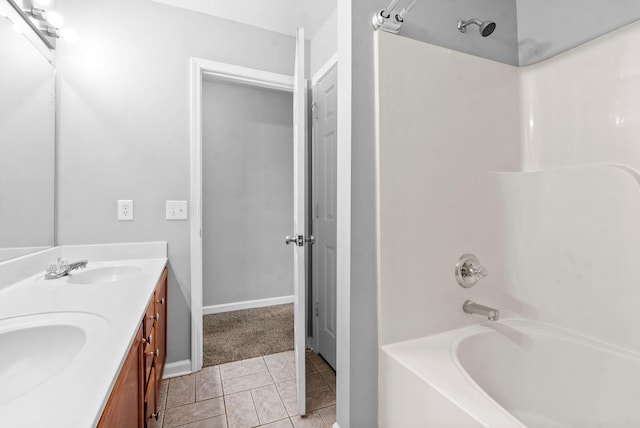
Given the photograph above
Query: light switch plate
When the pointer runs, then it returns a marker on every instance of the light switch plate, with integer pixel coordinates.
(176, 210)
(125, 209)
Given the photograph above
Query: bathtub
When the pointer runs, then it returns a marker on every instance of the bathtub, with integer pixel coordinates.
(511, 373)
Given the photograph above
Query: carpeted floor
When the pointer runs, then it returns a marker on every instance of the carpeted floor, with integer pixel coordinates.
(238, 335)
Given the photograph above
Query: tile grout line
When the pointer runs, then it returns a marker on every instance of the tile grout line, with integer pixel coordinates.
(224, 394)
(281, 399)
(323, 380)
(255, 409)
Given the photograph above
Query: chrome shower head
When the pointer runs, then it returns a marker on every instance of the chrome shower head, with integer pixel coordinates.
(486, 27)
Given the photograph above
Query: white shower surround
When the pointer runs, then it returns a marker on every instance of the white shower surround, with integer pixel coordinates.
(559, 242)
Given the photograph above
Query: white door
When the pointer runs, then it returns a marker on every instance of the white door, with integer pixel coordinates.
(299, 237)
(324, 192)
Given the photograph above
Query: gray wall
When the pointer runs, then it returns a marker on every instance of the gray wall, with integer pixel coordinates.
(363, 350)
(527, 31)
(123, 117)
(247, 193)
(325, 44)
(546, 28)
(435, 22)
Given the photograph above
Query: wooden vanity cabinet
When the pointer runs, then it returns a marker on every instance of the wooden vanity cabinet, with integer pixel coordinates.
(134, 399)
(124, 408)
(156, 352)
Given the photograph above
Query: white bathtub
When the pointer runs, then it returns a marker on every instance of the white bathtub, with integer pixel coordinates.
(511, 373)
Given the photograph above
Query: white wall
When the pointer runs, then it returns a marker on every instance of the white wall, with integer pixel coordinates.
(123, 118)
(572, 236)
(247, 193)
(583, 104)
(560, 239)
(446, 120)
(582, 109)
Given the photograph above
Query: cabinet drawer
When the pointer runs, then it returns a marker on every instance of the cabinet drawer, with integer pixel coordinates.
(150, 402)
(150, 352)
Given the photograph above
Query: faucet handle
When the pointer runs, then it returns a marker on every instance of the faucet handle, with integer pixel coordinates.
(477, 270)
(51, 267)
(469, 271)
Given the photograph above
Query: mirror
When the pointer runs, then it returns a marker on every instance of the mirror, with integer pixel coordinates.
(27, 145)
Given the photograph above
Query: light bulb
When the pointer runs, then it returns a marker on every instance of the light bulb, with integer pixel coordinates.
(54, 18)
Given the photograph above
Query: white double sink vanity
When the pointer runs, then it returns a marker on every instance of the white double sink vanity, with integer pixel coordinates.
(75, 351)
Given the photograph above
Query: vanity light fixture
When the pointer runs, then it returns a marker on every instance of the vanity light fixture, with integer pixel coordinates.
(51, 17)
(47, 24)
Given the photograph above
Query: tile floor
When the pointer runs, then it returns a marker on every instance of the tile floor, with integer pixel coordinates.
(258, 392)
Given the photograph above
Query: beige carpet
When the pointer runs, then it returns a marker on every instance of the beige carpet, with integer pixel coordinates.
(237, 335)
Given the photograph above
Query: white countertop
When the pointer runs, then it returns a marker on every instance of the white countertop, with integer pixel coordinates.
(75, 397)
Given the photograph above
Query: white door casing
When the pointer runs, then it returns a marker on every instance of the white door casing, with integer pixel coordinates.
(299, 215)
(324, 213)
(227, 73)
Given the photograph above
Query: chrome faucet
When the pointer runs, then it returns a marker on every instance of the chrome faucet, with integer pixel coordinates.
(474, 308)
(63, 268)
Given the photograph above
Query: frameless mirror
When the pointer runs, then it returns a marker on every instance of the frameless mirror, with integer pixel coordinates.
(27, 145)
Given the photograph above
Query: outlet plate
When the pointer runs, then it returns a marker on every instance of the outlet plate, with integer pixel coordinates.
(125, 209)
(176, 210)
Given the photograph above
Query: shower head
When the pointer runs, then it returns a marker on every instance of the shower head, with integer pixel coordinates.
(486, 27)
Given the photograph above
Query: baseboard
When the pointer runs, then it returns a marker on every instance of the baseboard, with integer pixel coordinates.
(247, 304)
(178, 368)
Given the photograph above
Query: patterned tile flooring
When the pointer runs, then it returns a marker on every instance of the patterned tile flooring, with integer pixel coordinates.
(258, 392)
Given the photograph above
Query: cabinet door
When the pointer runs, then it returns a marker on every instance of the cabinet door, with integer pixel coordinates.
(150, 402)
(124, 408)
(161, 326)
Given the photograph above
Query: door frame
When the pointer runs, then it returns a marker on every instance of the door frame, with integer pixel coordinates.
(199, 69)
(317, 77)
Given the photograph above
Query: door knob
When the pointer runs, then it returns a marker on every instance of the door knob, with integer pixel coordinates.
(292, 239)
(299, 240)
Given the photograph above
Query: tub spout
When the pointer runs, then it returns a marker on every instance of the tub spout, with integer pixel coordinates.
(474, 308)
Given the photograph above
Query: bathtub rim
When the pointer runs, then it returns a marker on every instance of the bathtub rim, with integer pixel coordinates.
(463, 391)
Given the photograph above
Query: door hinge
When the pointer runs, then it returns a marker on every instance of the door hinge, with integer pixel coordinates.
(314, 110)
(317, 310)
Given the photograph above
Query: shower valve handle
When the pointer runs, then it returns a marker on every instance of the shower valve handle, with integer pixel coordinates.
(469, 271)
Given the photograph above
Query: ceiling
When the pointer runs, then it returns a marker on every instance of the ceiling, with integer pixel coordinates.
(281, 16)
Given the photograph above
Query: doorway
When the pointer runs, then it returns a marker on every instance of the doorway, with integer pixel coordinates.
(247, 198)
(277, 82)
(200, 70)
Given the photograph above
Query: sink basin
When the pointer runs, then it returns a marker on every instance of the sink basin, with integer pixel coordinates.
(35, 348)
(103, 274)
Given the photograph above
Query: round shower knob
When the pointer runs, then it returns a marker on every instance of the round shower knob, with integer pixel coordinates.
(469, 271)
